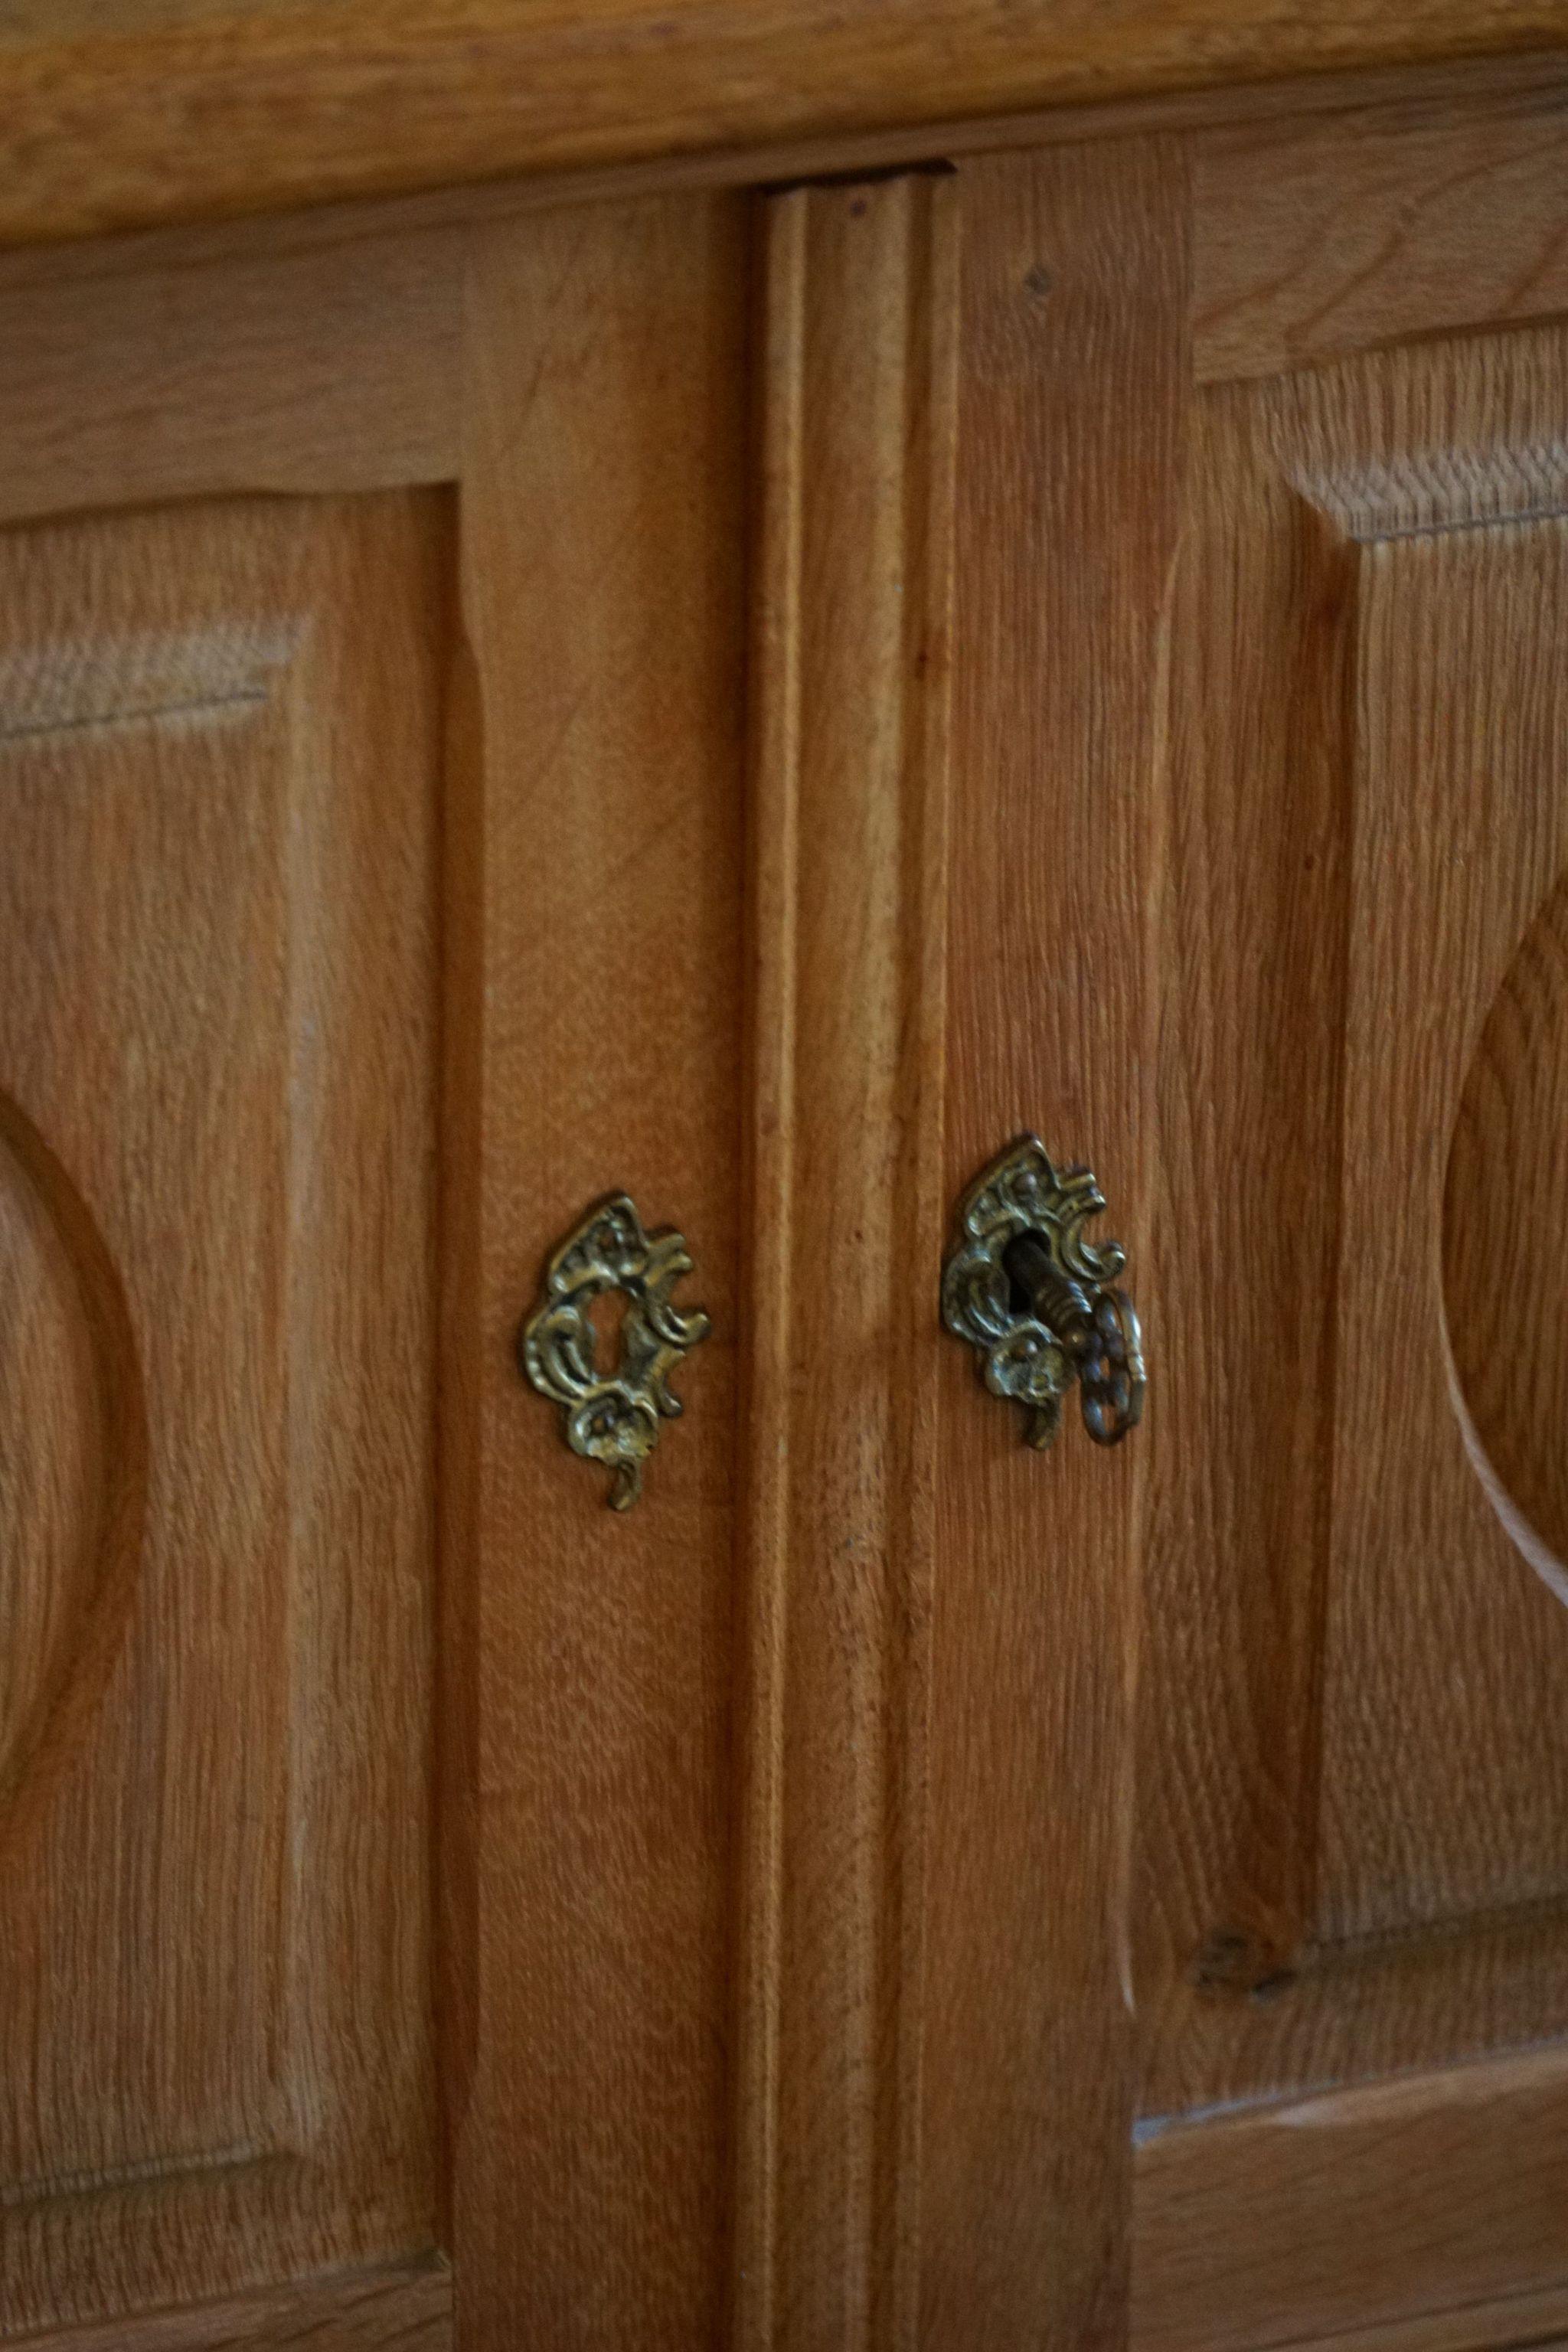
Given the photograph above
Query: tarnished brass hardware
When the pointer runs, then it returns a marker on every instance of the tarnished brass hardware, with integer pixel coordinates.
(1038, 1302)
(612, 1416)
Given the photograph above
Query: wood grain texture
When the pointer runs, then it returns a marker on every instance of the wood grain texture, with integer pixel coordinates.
(1368, 224)
(844, 1206)
(406, 2308)
(161, 110)
(1389, 2203)
(1503, 1271)
(1513, 2323)
(593, 1041)
(319, 351)
(218, 745)
(330, 369)
(1523, 2323)
(1346, 2012)
(1246, 1240)
(1353, 1778)
(1071, 372)
(73, 1503)
(1533, 81)
(1443, 1792)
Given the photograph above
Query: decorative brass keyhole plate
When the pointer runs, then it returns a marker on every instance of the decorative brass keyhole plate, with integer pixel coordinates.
(612, 1416)
(1038, 1302)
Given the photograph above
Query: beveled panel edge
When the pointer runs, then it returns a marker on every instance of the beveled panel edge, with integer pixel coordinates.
(406, 2304)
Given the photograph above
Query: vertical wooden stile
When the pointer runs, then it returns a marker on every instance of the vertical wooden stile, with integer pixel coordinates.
(847, 1016)
(594, 953)
(1073, 387)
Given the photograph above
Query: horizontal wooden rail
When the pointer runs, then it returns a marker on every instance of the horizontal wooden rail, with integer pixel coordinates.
(406, 2305)
(157, 110)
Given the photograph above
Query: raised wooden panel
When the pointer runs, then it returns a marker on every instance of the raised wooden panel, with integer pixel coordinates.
(1444, 1792)
(217, 765)
(1353, 1779)
(1323, 1772)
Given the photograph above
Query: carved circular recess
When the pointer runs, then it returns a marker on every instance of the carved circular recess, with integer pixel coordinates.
(1505, 1247)
(72, 1450)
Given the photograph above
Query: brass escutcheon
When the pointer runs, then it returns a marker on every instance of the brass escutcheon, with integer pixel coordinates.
(612, 1416)
(1038, 1302)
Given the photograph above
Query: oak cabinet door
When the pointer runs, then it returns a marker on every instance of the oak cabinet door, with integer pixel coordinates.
(369, 791)
(1348, 1922)
(1256, 852)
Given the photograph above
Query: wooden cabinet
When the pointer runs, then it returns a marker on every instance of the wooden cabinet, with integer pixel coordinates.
(753, 688)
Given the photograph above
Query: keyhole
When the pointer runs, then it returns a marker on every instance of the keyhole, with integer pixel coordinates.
(1023, 1261)
(607, 1314)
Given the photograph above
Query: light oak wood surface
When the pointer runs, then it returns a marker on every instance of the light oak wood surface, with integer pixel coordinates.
(387, 877)
(1369, 223)
(1374, 1794)
(219, 746)
(1399, 2202)
(1460, 90)
(594, 920)
(1352, 1772)
(1071, 361)
(330, 369)
(1444, 1792)
(846, 933)
(163, 110)
(403, 2307)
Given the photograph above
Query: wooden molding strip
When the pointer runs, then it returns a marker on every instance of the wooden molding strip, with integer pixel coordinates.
(1518, 2323)
(845, 1188)
(407, 2304)
(1311, 2232)
(183, 112)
